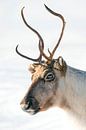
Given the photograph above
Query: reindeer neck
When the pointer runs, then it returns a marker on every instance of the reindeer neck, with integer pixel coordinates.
(75, 90)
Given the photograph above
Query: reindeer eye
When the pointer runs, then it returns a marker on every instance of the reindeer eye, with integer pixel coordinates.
(49, 76)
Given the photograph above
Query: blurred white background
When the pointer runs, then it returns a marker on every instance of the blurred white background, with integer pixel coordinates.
(14, 75)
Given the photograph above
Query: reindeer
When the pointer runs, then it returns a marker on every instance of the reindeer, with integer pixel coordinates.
(54, 83)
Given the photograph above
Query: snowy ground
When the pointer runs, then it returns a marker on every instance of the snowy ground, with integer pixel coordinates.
(14, 75)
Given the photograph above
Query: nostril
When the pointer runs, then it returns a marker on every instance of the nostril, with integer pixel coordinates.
(33, 103)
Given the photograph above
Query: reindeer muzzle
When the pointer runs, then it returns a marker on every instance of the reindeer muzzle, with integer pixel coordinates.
(31, 106)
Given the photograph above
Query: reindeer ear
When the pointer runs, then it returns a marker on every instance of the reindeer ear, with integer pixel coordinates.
(59, 64)
(61, 61)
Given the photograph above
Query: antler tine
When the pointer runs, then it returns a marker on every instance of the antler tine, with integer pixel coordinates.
(36, 60)
(63, 21)
(39, 36)
(40, 40)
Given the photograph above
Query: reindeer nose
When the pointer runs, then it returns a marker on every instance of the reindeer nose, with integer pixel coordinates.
(30, 105)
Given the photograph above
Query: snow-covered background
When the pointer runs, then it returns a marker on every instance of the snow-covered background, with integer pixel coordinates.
(14, 75)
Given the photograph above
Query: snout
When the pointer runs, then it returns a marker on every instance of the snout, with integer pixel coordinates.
(31, 105)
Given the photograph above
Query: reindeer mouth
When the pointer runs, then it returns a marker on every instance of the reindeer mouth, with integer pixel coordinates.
(32, 111)
(31, 107)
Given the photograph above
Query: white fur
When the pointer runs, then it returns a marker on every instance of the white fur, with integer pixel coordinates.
(73, 88)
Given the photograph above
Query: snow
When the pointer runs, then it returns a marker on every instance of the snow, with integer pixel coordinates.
(14, 75)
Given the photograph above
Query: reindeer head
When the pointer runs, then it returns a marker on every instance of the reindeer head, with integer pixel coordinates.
(45, 75)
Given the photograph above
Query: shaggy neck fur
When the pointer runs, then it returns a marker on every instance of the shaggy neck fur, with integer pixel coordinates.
(73, 88)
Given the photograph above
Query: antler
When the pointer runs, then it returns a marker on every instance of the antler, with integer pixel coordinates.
(41, 42)
(40, 45)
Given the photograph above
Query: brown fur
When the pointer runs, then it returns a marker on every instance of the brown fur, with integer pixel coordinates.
(43, 91)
